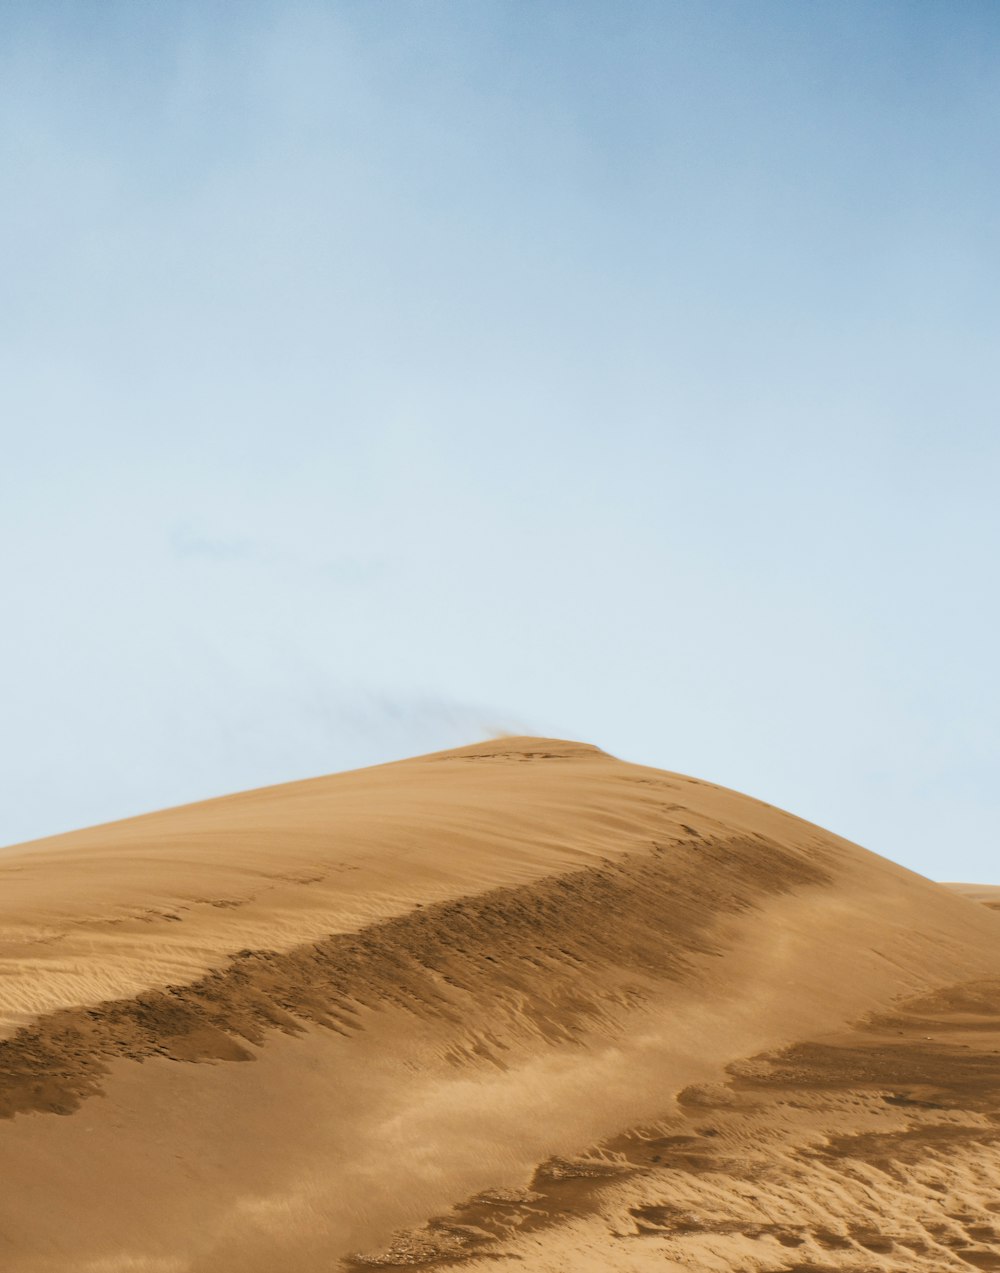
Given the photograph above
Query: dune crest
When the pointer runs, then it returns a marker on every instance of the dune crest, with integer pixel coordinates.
(461, 999)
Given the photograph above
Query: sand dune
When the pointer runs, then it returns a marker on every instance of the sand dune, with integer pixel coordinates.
(520, 1000)
(987, 894)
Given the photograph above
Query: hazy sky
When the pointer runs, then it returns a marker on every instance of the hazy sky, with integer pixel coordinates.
(375, 376)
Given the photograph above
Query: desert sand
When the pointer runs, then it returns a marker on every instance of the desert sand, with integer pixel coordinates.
(517, 1002)
(988, 894)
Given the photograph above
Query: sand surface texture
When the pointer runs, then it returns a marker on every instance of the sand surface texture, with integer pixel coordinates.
(988, 894)
(518, 1002)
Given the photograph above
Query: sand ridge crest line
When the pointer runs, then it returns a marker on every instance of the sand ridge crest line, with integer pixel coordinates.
(544, 956)
(306, 859)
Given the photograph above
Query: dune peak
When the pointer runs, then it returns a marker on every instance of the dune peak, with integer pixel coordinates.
(522, 747)
(518, 999)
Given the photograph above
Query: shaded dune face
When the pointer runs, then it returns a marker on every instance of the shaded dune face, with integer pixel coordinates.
(275, 1030)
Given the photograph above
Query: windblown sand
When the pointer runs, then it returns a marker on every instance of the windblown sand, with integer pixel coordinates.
(516, 1002)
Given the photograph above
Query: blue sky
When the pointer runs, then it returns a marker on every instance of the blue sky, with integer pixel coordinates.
(377, 376)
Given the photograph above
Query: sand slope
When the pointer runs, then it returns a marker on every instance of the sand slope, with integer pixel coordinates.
(272, 1031)
(987, 894)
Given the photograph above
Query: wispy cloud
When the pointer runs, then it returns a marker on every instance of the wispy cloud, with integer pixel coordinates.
(347, 569)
